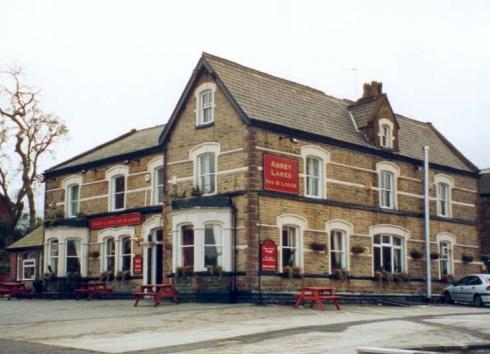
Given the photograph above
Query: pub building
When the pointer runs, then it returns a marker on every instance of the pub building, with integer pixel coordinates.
(259, 184)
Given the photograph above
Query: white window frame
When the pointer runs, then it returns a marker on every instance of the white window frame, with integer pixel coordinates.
(217, 227)
(71, 201)
(381, 168)
(392, 247)
(347, 230)
(122, 254)
(198, 94)
(195, 153)
(111, 174)
(211, 157)
(323, 156)
(386, 193)
(67, 183)
(51, 257)
(181, 247)
(295, 247)
(300, 224)
(80, 256)
(117, 234)
(441, 179)
(449, 239)
(29, 262)
(390, 139)
(393, 230)
(342, 251)
(153, 166)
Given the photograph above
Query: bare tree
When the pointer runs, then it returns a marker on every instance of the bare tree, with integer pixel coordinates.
(27, 134)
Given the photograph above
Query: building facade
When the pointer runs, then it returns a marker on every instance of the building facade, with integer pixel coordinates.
(485, 213)
(26, 257)
(267, 185)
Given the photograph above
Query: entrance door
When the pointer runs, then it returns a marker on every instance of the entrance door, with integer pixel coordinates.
(154, 258)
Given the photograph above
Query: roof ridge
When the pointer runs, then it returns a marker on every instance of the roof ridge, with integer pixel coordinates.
(412, 120)
(273, 77)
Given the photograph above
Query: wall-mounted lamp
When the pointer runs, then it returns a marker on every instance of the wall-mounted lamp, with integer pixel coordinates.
(137, 240)
(291, 139)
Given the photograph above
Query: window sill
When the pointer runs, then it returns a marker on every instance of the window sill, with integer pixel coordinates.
(205, 125)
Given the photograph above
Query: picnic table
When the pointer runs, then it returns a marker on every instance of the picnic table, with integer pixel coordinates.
(16, 289)
(317, 295)
(157, 292)
(93, 288)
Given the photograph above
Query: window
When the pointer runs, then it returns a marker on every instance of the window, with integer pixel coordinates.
(158, 185)
(386, 188)
(109, 255)
(73, 256)
(385, 136)
(73, 200)
(445, 258)
(213, 245)
(289, 246)
(388, 253)
(187, 246)
(53, 257)
(313, 177)
(337, 250)
(26, 267)
(118, 190)
(443, 199)
(125, 260)
(206, 107)
(207, 173)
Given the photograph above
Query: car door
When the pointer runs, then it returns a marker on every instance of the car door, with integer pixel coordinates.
(458, 289)
(470, 288)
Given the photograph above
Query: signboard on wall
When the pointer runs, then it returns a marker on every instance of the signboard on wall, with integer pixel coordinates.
(280, 174)
(138, 264)
(115, 221)
(268, 255)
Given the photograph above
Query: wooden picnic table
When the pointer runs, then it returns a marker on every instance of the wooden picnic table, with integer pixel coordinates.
(93, 288)
(157, 292)
(16, 289)
(317, 295)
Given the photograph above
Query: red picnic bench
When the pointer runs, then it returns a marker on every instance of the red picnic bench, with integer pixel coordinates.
(93, 288)
(317, 295)
(11, 289)
(157, 292)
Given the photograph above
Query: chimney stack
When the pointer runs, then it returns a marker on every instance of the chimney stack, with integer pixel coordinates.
(372, 89)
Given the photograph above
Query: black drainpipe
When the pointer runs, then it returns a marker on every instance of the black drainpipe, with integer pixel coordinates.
(233, 294)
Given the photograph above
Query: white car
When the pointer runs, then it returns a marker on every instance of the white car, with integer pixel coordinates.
(473, 288)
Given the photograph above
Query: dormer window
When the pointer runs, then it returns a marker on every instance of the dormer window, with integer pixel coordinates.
(386, 138)
(204, 95)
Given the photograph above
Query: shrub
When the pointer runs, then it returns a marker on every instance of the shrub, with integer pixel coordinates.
(383, 276)
(400, 277)
(215, 270)
(467, 258)
(94, 254)
(184, 271)
(119, 276)
(340, 274)
(356, 249)
(434, 256)
(416, 254)
(317, 246)
(447, 278)
(292, 272)
(126, 275)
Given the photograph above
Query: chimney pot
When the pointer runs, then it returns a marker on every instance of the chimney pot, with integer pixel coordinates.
(373, 89)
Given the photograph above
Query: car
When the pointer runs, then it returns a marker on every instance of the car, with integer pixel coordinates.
(472, 288)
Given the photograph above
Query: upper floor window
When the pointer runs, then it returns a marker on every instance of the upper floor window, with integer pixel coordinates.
(73, 200)
(158, 185)
(388, 174)
(53, 252)
(315, 160)
(118, 188)
(73, 256)
(213, 245)
(207, 173)
(337, 250)
(205, 103)
(386, 138)
(388, 253)
(443, 199)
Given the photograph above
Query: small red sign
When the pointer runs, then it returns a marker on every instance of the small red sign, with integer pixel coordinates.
(280, 174)
(137, 264)
(269, 256)
(116, 221)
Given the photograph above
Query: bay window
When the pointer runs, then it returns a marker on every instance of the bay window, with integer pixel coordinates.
(186, 246)
(337, 250)
(207, 173)
(53, 254)
(388, 253)
(109, 255)
(73, 256)
(213, 245)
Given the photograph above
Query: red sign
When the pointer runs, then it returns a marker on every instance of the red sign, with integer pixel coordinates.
(280, 174)
(137, 264)
(269, 256)
(115, 221)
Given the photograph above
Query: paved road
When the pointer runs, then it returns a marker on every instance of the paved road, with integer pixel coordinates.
(41, 326)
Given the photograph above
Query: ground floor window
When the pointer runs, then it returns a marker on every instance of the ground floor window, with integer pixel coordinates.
(289, 247)
(73, 256)
(53, 253)
(26, 267)
(187, 246)
(213, 245)
(109, 255)
(337, 250)
(445, 258)
(388, 253)
(125, 249)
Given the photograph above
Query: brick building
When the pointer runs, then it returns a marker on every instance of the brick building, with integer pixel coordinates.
(247, 157)
(485, 212)
(103, 210)
(26, 257)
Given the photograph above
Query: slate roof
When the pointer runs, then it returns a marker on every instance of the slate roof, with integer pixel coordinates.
(485, 181)
(33, 239)
(270, 99)
(362, 112)
(133, 141)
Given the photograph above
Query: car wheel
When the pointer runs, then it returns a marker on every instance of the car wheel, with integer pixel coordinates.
(447, 298)
(478, 301)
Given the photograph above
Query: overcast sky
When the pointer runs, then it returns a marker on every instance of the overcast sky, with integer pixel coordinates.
(108, 66)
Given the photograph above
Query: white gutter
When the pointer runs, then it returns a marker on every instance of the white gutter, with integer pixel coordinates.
(427, 223)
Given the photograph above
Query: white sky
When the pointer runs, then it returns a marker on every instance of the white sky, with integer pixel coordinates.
(108, 66)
